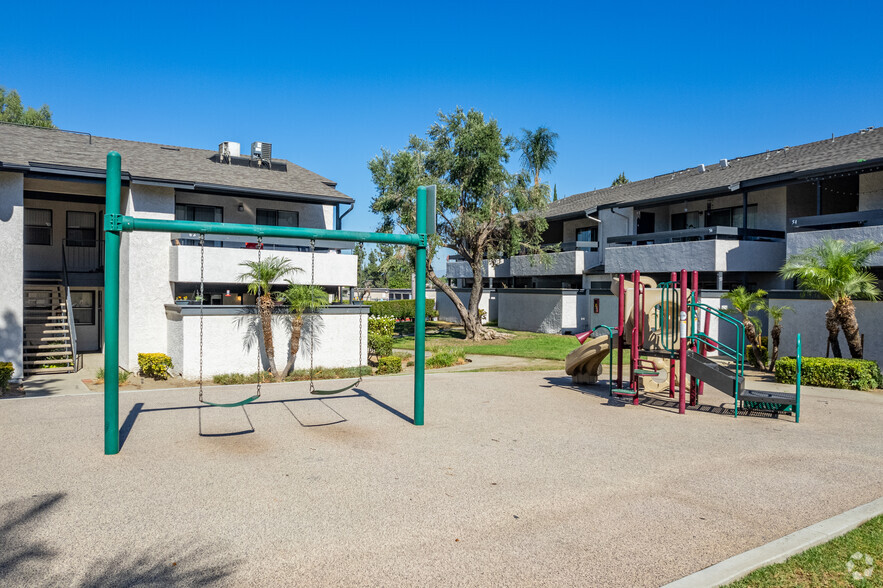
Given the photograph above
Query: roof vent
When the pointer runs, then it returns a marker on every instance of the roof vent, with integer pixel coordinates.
(701, 168)
(227, 150)
(724, 164)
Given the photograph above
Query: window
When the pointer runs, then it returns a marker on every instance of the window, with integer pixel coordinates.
(731, 217)
(38, 226)
(587, 234)
(194, 212)
(81, 231)
(277, 218)
(84, 307)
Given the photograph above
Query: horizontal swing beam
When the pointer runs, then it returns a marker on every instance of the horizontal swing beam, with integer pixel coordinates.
(128, 224)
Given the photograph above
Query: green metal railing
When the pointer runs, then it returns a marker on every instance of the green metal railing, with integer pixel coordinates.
(737, 354)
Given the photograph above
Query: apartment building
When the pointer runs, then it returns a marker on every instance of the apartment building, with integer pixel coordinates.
(52, 200)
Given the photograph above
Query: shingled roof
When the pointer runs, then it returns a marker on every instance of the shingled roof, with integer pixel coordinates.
(862, 150)
(33, 149)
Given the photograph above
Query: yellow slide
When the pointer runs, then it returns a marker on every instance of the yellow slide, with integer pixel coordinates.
(584, 362)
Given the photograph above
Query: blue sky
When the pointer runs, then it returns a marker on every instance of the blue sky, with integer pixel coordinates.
(642, 88)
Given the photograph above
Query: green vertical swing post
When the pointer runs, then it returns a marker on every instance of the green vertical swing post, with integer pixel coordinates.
(797, 381)
(112, 310)
(420, 308)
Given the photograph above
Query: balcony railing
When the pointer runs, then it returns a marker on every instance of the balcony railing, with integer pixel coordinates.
(268, 243)
(550, 248)
(844, 220)
(700, 234)
(82, 255)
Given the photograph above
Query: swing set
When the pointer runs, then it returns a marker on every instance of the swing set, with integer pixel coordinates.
(115, 224)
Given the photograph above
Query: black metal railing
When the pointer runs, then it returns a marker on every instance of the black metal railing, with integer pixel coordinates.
(843, 220)
(700, 234)
(268, 243)
(82, 255)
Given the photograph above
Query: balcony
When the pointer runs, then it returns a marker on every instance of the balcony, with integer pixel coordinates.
(564, 259)
(808, 231)
(225, 254)
(712, 249)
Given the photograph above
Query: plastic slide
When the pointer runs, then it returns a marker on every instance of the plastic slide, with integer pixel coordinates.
(584, 362)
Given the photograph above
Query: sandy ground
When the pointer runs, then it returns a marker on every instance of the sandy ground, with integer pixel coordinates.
(517, 478)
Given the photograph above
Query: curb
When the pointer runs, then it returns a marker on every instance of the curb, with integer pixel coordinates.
(779, 550)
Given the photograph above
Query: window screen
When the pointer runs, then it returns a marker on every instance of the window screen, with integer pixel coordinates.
(277, 218)
(38, 226)
(81, 230)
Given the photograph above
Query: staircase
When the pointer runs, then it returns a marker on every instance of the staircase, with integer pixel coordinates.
(49, 338)
(726, 380)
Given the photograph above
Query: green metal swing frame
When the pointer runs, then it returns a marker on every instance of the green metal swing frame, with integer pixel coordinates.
(115, 224)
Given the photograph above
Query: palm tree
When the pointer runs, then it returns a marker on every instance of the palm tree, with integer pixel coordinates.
(837, 270)
(538, 151)
(744, 302)
(261, 276)
(299, 298)
(776, 314)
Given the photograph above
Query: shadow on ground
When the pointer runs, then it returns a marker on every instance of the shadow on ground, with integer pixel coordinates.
(653, 400)
(27, 558)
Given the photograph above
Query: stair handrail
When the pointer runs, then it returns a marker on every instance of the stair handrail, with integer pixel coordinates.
(737, 354)
(70, 308)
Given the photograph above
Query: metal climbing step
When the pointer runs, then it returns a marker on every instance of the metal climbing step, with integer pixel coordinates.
(642, 372)
(758, 398)
(624, 392)
(713, 374)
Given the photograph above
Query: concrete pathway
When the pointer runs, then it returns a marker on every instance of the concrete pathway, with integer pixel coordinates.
(517, 478)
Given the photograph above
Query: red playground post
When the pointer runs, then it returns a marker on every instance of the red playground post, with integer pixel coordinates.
(682, 333)
(621, 331)
(666, 314)
(637, 316)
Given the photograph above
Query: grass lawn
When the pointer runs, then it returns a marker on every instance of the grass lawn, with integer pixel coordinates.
(826, 565)
(523, 343)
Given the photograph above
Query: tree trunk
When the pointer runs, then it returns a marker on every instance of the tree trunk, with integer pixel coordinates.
(775, 334)
(265, 307)
(845, 310)
(751, 336)
(833, 327)
(297, 323)
(470, 324)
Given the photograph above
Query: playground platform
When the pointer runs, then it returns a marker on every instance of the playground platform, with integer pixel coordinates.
(516, 478)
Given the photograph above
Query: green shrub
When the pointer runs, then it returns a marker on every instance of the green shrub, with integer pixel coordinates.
(400, 309)
(155, 365)
(6, 371)
(123, 375)
(854, 374)
(445, 357)
(230, 379)
(389, 365)
(379, 345)
(382, 325)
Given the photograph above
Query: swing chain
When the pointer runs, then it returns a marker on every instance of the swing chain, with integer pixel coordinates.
(260, 370)
(201, 294)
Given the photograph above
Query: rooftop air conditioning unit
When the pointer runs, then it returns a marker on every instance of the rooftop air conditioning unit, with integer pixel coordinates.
(261, 150)
(228, 149)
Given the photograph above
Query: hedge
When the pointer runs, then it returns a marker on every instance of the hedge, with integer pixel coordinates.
(853, 374)
(401, 309)
(6, 371)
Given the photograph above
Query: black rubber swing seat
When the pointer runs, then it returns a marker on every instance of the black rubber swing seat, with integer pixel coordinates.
(232, 404)
(337, 391)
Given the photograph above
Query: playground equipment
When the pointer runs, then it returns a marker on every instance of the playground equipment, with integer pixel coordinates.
(115, 224)
(661, 327)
